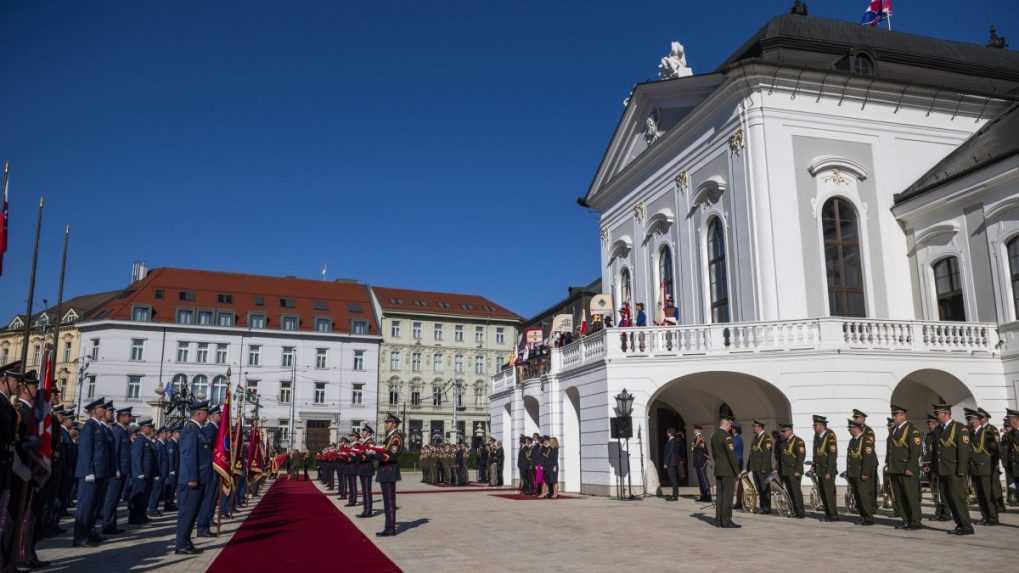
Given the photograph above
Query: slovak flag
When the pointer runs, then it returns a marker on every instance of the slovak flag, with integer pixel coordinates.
(877, 11)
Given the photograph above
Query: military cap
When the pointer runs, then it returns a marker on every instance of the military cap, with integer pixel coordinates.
(970, 413)
(344, 440)
(889, 421)
(941, 407)
(391, 418)
(100, 403)
(759, 423)
(897, 409)
(200, 405)
(698, 427)
(125, 410)
(214, 410)
(1012, 413)
(859, 414)
(71, 413)
(161, 430)
(145, 422)
(30, 377)
(109, 405)
(786, 426)
(855, 424)
(367, 428)
(12, 370)
(931, 417)
(820, 420)
(983, 413)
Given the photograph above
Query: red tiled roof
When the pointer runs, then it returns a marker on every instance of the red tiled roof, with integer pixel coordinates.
(342, 302)
(452, 304)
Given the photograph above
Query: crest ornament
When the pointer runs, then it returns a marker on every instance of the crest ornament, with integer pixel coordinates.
(604, 235)
(836, 177)
(736, 142)
(639, 211)
(683, 181)
(651, 131)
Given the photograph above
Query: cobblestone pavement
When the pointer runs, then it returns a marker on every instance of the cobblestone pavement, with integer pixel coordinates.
(474, 531)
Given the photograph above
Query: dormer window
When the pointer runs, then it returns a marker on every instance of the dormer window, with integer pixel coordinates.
(857, 63)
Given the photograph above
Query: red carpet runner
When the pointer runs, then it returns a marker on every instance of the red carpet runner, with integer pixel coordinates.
(296, 528)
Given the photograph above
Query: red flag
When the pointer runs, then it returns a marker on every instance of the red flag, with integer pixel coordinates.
(42, 413)
(4, 218)
(254, 443)
(221, 453)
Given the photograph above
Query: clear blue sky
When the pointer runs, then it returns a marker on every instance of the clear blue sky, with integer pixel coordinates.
(432, 145)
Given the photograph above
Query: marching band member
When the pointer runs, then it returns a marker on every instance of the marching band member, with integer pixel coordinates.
(389, 472)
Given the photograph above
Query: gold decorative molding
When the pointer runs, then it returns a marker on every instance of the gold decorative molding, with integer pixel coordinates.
(836, 177)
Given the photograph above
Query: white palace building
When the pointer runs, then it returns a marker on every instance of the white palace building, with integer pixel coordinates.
(835, 210)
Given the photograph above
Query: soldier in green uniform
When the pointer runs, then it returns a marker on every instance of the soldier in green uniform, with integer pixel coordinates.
(994, 447)
(723, 452)
(980, 467)
(902, 458)
(826, 452)
(861, 467)
(760, 465)
(952, 450)
(792, 455)
(941, 512)
(873, 484)
(1010, 450)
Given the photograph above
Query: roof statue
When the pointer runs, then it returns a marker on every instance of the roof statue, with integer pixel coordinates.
(799, 8)
(997, 41)
(674, 65)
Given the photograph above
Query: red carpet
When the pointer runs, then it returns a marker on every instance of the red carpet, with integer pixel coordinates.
(295, 528)
(521, 497)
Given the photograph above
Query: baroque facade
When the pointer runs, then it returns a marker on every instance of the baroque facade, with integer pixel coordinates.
(836, 225)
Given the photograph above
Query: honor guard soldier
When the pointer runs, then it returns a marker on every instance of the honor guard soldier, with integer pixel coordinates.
(93, 469)
(760, 464)
(210, 492)
(353, 469)
(342, 467)
(793, 454)
(173, 453)
(825, 465)
(162, 472)
(9, 376)
(389, 472)
(861, 417)
(1010, 450)
(902, 458)
(723, 451)
(930, 462)
(861, 467)
(953, 449)
(144, 468)
(994, 447)
(25, 497)
(980, 467)
(122, 471)
(366, 470)
(195, 473)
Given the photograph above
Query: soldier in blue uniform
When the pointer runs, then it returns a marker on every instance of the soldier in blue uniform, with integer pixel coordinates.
(210, 492)
(92, 471)
(162, 472)
(70, 453)
(144, 469)
(173, 455)
(389, 472)
(121, 473)
(195, 473)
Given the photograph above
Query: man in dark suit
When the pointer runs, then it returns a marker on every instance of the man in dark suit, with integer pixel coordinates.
(826, 451)
(389, 472)
(700, 464)
(760, 465)
(523, 460)
(674, 460)
(482, 463)
(723, 452)
(122, 471)
(92, 472)
(195, 472)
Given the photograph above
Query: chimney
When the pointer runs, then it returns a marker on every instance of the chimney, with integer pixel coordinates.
(138, 271)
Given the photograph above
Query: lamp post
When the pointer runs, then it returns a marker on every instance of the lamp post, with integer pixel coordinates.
(624, 407)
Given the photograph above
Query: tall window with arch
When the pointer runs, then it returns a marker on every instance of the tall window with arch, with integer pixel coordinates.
(1013, 272)
(625, 288)
(200, 386)
(948, 288)
(718, 280)
(665, 277)
(843, 266)
(179, 381)
(219, 385)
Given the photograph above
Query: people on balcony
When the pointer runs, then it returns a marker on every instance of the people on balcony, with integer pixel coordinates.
(641, 315)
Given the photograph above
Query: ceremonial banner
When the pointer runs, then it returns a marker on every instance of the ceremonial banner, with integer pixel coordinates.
(562, 323)
(221, 453)
(44, 419)
(601, 305)
(254, 443)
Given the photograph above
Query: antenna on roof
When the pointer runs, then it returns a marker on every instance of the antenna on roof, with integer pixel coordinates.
(324, 267)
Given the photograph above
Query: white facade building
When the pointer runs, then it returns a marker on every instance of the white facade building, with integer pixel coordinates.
(308, 348)
(763, 198)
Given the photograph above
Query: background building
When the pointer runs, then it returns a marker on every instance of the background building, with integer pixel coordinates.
(308, 348)
(438, 353)
(69, 365)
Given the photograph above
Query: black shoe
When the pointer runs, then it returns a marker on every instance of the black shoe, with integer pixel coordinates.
(93, 541)
(968, 531)
(915, 527)
(732, 525)
(942, 518)
(205, 534)
(112, 531)
(765, 512)
(186, 551)
(386, 533)
(901, 526)
(867, 522)
(38, 564)
(153, 514)
(350, 505)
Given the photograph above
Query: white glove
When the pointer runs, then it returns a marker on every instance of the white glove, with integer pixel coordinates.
(118, 475)
(90, 478)
(173, 473)
(141, 476)
(157, 478)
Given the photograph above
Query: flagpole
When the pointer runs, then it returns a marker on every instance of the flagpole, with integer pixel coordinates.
(31, 291)
(60, 303)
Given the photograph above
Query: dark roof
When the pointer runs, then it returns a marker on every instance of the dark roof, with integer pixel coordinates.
(341, 301)
(817, 43)
(998, 139)
(572, 294)
(83, 305)
(443, 303)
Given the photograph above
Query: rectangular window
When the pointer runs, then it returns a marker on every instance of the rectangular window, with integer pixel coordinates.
(479, 334)
(287, 302)
(137, 349)
(289, 323)
(287, 359)
(459, 333)
(415, 362)
(415, 398)
(225, 319)
(202, 354)
(437, 362)
(94, 351)
(259, 301)
(320, 358)
(185, 316)
(359, 360)
(225, 298)
(284, 392)
(355, 426)
(134, 387)
(416, 329)
(394, 329)
(360, 327)
(5, 356)
(319, 305)
(320, 392)
(182, 351)
(438, 332)
(500, 335)
(394, 360)
(90, 389)
(141, 313)
(284, 429)
(205, 317)
(357, 395)
(221, 350)
(256, 320)
(67, 352)
(160, 293)
(479, 364)
(394, 395)
(254, 354)
(37, 354)
(186, 295)
(458, 364)
(323, 325)
(436, 396)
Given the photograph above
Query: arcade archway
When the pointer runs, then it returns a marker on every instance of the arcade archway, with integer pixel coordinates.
(532, 416)
(918, 390)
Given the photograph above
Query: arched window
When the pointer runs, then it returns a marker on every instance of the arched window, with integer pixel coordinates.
(665, 279)
(200, 386)
(179, 382)
(949, 289)
(1013, 271)
(625, 288)
(863, 65)
(218, 390)
(842, 259)
(718, 282)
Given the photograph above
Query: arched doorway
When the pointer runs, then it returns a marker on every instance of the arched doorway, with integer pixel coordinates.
(532, 416)
(918, 390)
(571, 440)
(663, 416)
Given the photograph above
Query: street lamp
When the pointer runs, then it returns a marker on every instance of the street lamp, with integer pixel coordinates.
(624, 404)
(624, 407)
